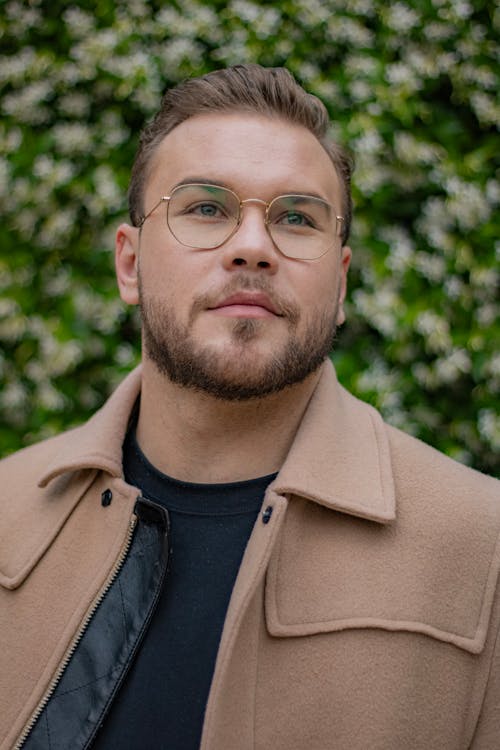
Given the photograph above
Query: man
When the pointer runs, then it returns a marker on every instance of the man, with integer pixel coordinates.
(234, 552)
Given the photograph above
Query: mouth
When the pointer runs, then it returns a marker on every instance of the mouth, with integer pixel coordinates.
(247, 305)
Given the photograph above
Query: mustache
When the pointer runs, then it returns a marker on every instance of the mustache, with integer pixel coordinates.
(244, 283)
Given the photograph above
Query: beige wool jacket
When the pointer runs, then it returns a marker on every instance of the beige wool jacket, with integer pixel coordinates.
(366, 612)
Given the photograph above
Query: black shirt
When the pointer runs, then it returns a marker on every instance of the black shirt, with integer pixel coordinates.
(162, 702)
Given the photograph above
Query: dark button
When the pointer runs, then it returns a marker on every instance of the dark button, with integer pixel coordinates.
(266, 516)
(106, 498)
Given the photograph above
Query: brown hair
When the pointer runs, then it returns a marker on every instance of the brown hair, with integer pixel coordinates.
(273, 92)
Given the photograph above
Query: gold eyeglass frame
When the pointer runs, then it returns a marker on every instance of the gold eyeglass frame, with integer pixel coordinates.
(167, 198)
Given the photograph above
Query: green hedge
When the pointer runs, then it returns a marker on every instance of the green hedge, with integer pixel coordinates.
(411, 88)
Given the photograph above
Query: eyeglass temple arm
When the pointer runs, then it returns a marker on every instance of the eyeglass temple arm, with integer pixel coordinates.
(143, 218)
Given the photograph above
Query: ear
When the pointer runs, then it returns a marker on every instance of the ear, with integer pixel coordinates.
(345, 261)
(127, 263)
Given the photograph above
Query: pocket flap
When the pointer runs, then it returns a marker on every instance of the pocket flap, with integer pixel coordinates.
(332, 572)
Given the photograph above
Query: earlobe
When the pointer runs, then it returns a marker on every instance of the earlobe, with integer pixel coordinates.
(127, 262)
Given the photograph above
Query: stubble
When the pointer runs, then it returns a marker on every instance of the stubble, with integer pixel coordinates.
(233, 375)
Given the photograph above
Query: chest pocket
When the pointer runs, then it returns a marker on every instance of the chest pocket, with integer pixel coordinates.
(335, 572)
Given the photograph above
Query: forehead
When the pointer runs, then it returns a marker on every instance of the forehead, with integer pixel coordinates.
(255, 155)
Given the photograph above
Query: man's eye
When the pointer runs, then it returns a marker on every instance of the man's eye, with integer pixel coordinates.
(207, 210)
(295, 219)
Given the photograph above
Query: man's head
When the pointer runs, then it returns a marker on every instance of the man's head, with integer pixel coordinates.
(272, 92)
(257, 310)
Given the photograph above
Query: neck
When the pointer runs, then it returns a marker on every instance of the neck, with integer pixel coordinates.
(194, 437)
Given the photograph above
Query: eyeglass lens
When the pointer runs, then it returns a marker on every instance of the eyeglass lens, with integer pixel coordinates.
(205, 216)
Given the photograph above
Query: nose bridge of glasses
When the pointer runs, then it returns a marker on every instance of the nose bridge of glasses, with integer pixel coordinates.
(254, 200)
(262, 218)
(260, 202)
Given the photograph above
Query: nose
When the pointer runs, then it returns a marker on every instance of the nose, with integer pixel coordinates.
(251, 245)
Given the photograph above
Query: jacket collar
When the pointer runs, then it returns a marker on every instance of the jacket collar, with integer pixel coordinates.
(97, 444)
(339, 458)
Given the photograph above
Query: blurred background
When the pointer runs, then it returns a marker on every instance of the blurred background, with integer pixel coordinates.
(411, 88)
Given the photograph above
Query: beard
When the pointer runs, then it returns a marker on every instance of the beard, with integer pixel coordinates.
(232, 376)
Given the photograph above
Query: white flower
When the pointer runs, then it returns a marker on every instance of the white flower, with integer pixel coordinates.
(74, 104)
(26, 105)
(486, 108)
(493, 192)
(361, 91)
(10, 139)
(360, 7)
(369, 142)
(265, 22)
(451, 367)
(124, 354)
(177, 49)
(437, 31)
(8, 307)
(379, 308)
(57, 227)
(487, 314)
(378, 378)
(400, 74)
(431, 266)
(434, 222)
(462, 9)
(14, 68)
(78, 22)
(453, 287)
(13, 396)
(73, 137)
(13, 328)
(486, 279)
(412, 151)
(435, 330)
(488, 424)
(111, 127)
(47, 397)
(313, 12)
(348, 30)
(401, 248)
(401, 18)
(424, 375)
(467, 203)
(492, 366)
(107, 196)
(358, 64)
(43, 166)
(370, 174)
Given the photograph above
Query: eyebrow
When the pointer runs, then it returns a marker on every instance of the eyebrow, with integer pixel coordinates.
(220, 183)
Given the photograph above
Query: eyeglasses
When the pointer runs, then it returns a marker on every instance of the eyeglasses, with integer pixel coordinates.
(204, 216)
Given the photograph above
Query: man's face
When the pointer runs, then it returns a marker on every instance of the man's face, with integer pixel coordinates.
(241, 320)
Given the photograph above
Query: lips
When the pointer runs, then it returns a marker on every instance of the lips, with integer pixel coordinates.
(251, 300)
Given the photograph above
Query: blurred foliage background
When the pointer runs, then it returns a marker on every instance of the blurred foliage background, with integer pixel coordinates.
(412, 91)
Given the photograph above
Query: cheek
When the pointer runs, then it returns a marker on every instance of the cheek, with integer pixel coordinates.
(158, 278)
(174, 274)
(320, 290)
